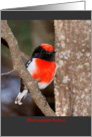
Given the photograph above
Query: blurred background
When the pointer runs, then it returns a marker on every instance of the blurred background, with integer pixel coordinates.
(29, 34)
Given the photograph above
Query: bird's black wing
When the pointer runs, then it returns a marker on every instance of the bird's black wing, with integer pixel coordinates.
(28, 63)
(22, 85)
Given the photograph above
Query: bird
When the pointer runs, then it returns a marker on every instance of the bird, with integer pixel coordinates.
(40, 65)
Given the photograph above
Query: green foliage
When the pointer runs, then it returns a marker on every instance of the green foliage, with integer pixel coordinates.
(22, 32)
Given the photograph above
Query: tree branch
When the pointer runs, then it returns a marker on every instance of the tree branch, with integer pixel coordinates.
(6, 73)
(25, 56)
(19, 67)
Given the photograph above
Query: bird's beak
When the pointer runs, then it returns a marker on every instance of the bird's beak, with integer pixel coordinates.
(54, 51)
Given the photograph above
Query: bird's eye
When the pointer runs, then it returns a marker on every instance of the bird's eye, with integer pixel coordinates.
(36, 54)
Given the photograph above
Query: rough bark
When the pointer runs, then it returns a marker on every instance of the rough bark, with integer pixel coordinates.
(19, 67)
(73, 58)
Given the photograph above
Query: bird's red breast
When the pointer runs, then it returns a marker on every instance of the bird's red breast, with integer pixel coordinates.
(44, 70)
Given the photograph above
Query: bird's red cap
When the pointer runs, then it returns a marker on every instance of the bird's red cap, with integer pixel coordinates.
(47, 47)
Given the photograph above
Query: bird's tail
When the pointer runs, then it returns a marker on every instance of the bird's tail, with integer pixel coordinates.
(22, 94)
(20, 97)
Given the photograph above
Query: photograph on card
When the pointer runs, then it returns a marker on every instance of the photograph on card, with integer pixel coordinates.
(46, 67)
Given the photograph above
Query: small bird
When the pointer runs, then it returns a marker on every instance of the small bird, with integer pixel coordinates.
(40, 65)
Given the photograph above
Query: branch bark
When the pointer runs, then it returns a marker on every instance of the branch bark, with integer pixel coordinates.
(19, 67)
(25, 56)
(7, 73)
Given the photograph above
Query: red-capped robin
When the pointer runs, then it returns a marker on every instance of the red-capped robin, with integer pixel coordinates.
(40, 65)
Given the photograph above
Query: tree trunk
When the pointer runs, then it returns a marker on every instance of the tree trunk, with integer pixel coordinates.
(73, 58)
